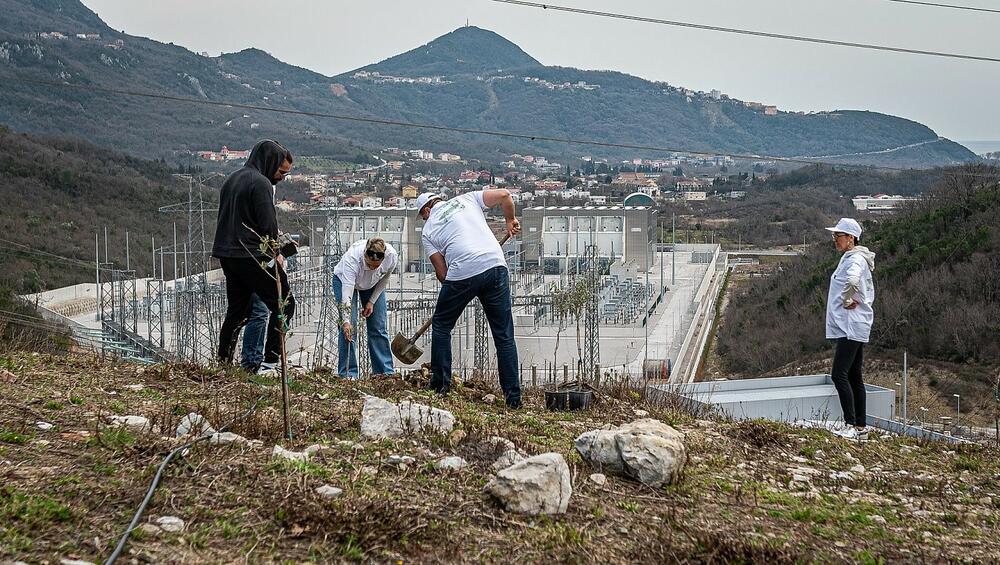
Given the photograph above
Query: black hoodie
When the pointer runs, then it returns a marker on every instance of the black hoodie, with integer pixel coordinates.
(247, 203)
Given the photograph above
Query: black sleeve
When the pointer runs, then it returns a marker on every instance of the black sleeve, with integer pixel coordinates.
(262, 208)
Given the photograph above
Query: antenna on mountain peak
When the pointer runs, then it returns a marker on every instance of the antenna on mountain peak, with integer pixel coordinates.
(466, 22)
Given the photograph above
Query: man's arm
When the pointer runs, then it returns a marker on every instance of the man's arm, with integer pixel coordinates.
(440, 267)
(501, 197)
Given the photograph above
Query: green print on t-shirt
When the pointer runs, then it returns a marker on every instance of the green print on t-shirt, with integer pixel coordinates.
(448, 210)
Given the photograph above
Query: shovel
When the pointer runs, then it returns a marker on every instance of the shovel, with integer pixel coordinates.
(406, 350)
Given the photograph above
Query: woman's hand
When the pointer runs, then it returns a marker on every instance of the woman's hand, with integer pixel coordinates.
(348, 334)
(367, 311)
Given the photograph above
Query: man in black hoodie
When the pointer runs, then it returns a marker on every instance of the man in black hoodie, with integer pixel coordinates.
(246, 215)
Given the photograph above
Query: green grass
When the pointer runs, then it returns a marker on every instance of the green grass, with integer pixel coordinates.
(34, 510)
(76, 400)
(113, 438)
(53, 405)
(15, 438)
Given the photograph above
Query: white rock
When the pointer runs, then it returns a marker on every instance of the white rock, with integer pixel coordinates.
(640, 413)
(819, 454)
(137, 424)
(490, 398)
(858, 469)
(646, 450)
(315, 449)
(501, 442)
(223, 438)
(194, 424)
(877, 519)
(150, 529)
(598, 478)
(506, 459)
(281, 453)
(453, 463)
(328, 491)
(800, 478)
(44, 426)
(42, 442)
(849, 457)
(537, 485)
(135, 388)
(798, 459)
(383, 419)
(75, 562)
(171, 524)
(841, 475)
(400, 460)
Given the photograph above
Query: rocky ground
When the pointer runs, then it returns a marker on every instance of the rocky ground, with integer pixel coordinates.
(71, 477)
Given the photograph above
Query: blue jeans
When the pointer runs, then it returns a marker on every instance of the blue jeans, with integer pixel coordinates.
(378, 335)
(253, 335)
(493, 290)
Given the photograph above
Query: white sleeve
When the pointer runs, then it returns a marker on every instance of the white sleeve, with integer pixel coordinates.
(349, 277)
(854, 273)
(428, 246)
(478, 197)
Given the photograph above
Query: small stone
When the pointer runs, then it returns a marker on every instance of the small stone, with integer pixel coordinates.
(369, 470)
(75, 562)
(640, 413)
(400, 460)
(538, 485)
(281, 453)
(316, 449)
(877, 519)
(223, 438)
(819, 454)
(849, 457)
(135, 388)
(927, 535)
(150, 529)
(328, 491)
(598, 479)
(490, 398)
(622, 530)
(194, 424)
(858, 469)
(44, 426)
(42, 442)
(453, 463)
(506, 459)
(137, 424)
(501, 442)
(171, 524)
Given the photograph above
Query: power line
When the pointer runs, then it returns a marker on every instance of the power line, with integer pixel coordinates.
(952, 6)
(381, 121)
(747, 31)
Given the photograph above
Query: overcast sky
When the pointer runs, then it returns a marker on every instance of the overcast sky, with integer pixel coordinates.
(958, 99)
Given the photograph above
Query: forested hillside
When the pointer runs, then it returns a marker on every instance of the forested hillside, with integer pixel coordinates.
(58, 193)
(937, 281)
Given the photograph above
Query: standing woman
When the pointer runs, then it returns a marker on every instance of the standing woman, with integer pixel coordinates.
(363, 273)
(849, 317)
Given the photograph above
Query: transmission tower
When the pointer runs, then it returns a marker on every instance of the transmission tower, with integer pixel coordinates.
(330, 316)
(592, 321)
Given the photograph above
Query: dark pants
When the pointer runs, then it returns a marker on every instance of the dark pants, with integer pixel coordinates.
(244, 278)
(846, 375)
(493, 290)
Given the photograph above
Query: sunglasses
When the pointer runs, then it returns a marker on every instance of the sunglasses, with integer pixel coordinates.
(838, 234)
(375, 255)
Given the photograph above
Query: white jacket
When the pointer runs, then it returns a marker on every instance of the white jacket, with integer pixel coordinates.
(851, 281)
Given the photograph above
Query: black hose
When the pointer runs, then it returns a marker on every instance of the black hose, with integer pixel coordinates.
(159, 474)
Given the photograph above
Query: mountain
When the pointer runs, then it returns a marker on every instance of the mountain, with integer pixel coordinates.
(469, 78)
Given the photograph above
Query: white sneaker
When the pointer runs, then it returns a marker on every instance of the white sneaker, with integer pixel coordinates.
(847, 433)
(267, 369)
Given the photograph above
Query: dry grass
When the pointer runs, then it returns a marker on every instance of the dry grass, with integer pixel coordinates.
(73, 496)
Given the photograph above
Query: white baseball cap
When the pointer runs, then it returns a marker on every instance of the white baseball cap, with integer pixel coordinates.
(425, 199)
(847, 225)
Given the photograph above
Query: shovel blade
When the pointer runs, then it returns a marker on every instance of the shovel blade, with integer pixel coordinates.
(405, 350)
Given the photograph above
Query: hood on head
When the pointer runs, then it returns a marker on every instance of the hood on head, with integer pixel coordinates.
(868, 254)
(266, 157)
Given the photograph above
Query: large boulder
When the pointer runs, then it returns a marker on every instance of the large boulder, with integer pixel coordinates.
(384, 419)
(536, 485)
(646, 450)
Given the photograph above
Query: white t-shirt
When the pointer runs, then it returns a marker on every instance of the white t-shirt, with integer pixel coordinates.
(354, 273)
(457, 229)
(855, 324)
